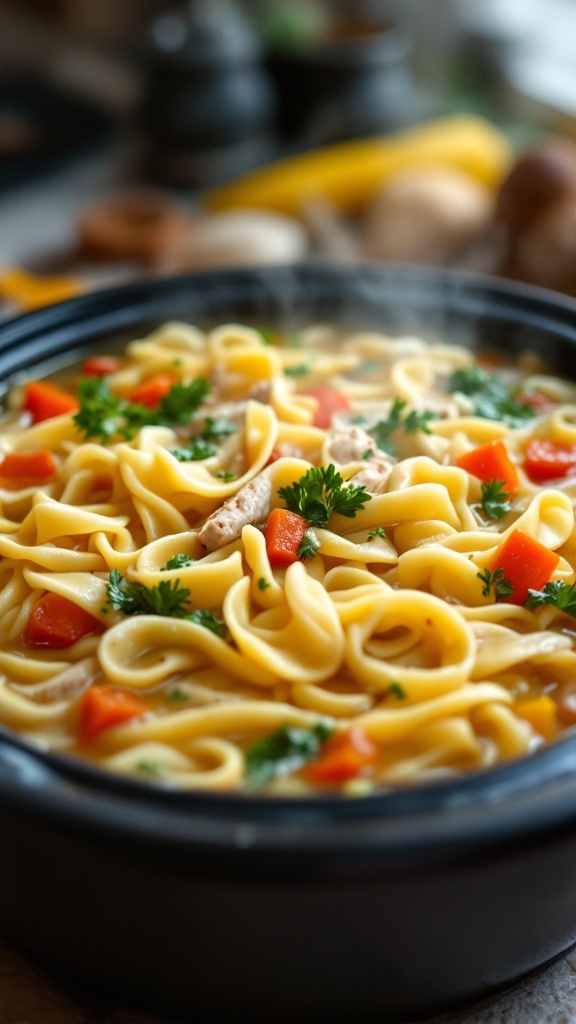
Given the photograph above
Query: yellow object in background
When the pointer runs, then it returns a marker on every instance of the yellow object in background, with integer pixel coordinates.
(348, 174)
(31, 291)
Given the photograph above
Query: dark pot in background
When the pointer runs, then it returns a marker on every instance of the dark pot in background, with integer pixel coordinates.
(209, 108)
(353, 82)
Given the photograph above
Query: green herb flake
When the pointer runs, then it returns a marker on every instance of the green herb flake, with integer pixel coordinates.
(166, 598)
(176, 695)
(495, 501)
(283, 752)
(378, 532)
(198, 450)
(493, 399)
(150, 769)
(497, 582)
(203, 617)
(226, 476)
(307, 548)
(320, 493)
(263, 584)
(367, 454)
(398, 690)
(178, 562)
(557, 593)
(301, 370)
(411, 423)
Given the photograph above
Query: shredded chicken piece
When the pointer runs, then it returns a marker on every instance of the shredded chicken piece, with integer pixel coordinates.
(374, 475)
(67, 685)
(351, 446)
(251, 504)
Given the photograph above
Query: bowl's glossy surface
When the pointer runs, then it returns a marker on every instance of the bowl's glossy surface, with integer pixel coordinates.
(218, 907)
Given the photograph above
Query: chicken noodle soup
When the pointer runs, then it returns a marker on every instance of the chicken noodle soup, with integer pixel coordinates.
(332, 562)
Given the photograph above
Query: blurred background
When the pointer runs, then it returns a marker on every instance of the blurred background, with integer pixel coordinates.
(149, 137)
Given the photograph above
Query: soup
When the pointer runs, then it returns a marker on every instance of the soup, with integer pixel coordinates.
(333, 562)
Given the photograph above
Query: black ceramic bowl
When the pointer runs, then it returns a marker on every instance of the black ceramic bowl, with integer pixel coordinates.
(222, 907)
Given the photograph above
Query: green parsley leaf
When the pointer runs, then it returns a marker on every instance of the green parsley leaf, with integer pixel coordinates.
(218, 428)
(493, 399)
(263, 584)
(557, 593)
(166, 598)
(398, 690)
(149, 768)
(226, 476)
(495, 499)
(410, 423)
(104, 415)
(497, 582)
(203, 617)
(297, 371)
(378, 532)
(320, 492)
(198, 451)
(178, 562)
(266, 335)
(307, 548)
(176, 694)
(285, 751)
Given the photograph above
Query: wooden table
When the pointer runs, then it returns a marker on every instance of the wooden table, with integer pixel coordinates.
(28, 995)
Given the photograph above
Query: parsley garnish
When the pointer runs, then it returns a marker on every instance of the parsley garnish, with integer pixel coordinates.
(411, 423)
(176, 694)
(307, 548)
(285, 751)
(559, 594)
(297, 371)
(104, 415)
(378, 532)
(320, 492)
(203, 617)
(263, 584)
(149, 768)
(215, 429)
(198, 451)
(266, 335)
(497, 582)
(493, 399)
(166, 598)
(178, 562)
(495, 499)
(226, 476)
(398, 690)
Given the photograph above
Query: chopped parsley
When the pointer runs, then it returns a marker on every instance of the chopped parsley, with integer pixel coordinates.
(226, 476)
(176, 694)
(150, 769)
(398, 690)
(166, 598)
(495, 499)
(178, 562)
(378, 532)
(297, 371)
(198, 450)
(216, 429)
(285, 751)
(493, 399)
(203, 617)
(321, 492)
(557, 593)
(410, 423)
(263, 584)
(308, 548)
(497, 582)
(105, 415)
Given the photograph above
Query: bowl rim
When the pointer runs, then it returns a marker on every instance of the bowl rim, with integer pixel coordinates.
(498, 805)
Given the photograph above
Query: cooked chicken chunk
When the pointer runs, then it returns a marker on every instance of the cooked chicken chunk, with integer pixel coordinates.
(251, 504)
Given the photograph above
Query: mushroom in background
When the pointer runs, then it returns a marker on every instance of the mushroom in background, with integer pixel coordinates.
(241, 238)
(537, 208)
(427, 215)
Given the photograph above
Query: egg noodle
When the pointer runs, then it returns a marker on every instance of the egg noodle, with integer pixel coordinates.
(390, 636)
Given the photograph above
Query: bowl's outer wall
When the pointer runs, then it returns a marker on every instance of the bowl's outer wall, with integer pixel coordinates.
(337, 918)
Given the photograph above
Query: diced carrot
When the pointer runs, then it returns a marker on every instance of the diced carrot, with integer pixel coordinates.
(273, 457)
(27, 466)
(329, 401)
(546, 460)
(100, 366)
(526, 563)
(491, 462)
(45, 400)
(343, 757)
(151, 392)
(57, 622)
(103, 707)
(540, 713)
(284, 534)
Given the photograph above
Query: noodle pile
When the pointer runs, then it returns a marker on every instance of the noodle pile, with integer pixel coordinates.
(388, 627)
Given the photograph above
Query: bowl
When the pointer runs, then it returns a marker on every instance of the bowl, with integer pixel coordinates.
(215, 906)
